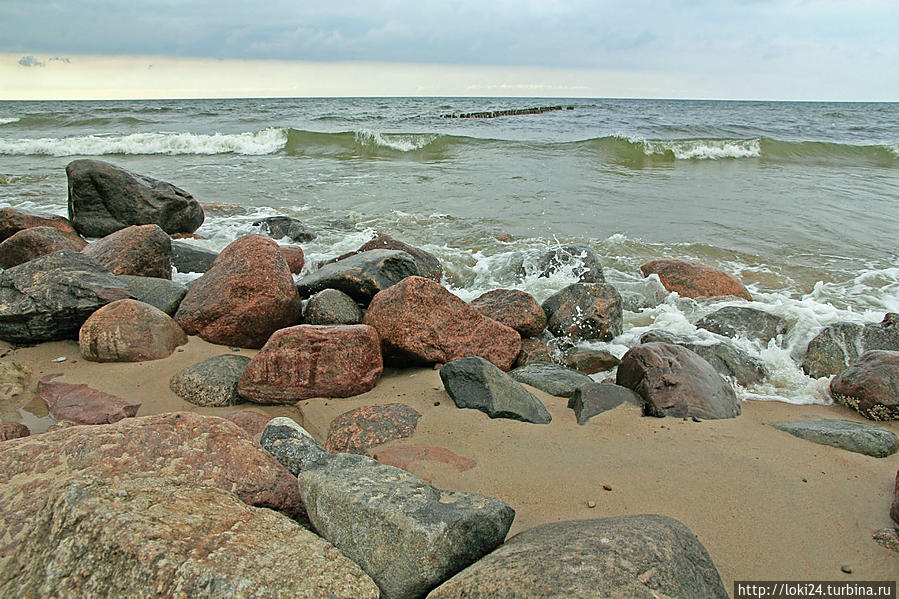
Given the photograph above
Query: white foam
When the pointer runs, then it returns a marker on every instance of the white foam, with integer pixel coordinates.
(400, 143)
(267, 141)
(4, 120)
(705, 149)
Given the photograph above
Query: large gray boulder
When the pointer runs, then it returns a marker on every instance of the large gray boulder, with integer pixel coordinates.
(293, 446)
(155, 537)
(841, 343)
(870, 440)
(727, 359)
(50, 297)
(553, 379)
(361, 276)
(163, 294)
(475, 383)
(190, 258)
(407, 535)
(742, 321)
(330, 306)
(212, 382)
(104, 198)
(627, 557)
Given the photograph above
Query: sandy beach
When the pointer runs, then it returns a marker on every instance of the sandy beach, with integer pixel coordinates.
(765, 504)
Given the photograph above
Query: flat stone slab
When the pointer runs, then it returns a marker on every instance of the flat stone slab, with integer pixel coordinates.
(82, 404)
(370, 426)
(595, 398)
(845, 434)
(555, 380)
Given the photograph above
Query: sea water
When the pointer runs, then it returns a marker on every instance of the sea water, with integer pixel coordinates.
(800, 200)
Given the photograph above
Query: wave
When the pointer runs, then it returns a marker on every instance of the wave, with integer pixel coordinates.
(7, 120)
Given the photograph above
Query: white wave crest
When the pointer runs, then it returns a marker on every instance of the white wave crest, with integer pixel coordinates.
(4, 120)
(705, 149)
(256, 143)
(400, 143)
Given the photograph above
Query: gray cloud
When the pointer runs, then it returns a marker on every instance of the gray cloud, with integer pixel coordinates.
(30, 61)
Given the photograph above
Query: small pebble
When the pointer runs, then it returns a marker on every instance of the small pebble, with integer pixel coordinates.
(695, 419)
(591, 504)
(607, 487)
(846, 569)
(234, 348)
(436, 403)
(59, 359)
(805, 480)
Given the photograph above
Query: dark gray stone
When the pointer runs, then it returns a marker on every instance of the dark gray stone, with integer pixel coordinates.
(595, 398)
(404, 533)
(841, 343)
(190, 258)
(104, 198)
(634, 557)
(476, 383)
(728, 360)
(852, 436)
(741, 321)
(293, 446)
(50, 297)
(550, 378)
(331, 306)
(279, 227)
(585, 311)
(580, 258)
(870, 386)
(163, 294)
(361, 276)
(211, 383)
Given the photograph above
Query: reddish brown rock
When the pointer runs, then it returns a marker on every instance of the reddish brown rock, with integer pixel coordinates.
(245, 296)
(870, 386)
(535, 351)
(13, 430)
(428, 264)
(140, 250)
(420, 322)
(12, 221)
(250, 421)
(184, 447)
(370, 426)
(695, 279)
(674, 381)
(313, 361)
(894, 509)
(294, 256)
(82, 404)
(513, 308)
(408, 457)
(28, 244)
(129, 331)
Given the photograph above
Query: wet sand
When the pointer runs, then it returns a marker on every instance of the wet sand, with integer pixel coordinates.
(765, 504)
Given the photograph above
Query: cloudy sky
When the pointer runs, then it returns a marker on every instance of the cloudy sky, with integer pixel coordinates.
(764, 49)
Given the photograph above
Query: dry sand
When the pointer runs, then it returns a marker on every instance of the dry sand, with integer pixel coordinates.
(765, 504)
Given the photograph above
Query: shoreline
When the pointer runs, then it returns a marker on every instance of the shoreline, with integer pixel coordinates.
(737, 483)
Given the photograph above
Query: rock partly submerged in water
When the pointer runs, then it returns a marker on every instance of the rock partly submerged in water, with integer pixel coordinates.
(279, 227)
(727, 359)
(361, 276)
(428, 264)
(585, 311)
(695, 279)
(743, 321)
(841, 343)
(870, 386)
(187, 257)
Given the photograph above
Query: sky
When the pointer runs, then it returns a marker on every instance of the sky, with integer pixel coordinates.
(727, 49)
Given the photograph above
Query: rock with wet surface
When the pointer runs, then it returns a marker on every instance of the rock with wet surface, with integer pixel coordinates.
(634, 557)
(840, 344)
(211, 383)
(279, 227)
(585, 311)
(12, 221)
(513, 308)
(550, 378)
(32, 243)
(477, 384)
(743, 321)
(695, 279)
(727, 359)
(187, 257)
(428, 264)
(361, 276)
(870, 440)
(589, 361)
(578, 259)
(870, 386)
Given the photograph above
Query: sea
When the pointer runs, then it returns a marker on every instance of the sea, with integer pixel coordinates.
(800, 200)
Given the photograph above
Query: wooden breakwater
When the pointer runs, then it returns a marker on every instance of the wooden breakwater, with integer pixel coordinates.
(511, 112)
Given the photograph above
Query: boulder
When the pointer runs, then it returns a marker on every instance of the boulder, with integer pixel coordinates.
(695, 279)
(595, 398)
(143, 251)
(369, 426)
(845, 434)
(727, 359)
(104, 198)
(81, 404)
(407, 535)
(13, 430)
(29, 244)
(211, 383)
(585, 311)
(190, 258)
(674, 381)
(590, 361)
(293, 446)
(279, 227)
(476, 383)
(870, 386)
(295, 258)
(576, 259)
(182, 446)
(50, 297)
(162, 294)
(742, 321)
(536, 350)
(155, 537)
(360, 276)
(313, 361)
(638, 557)
(420, 322)
(245, 296)
(841, 343)
(12, 221)
(330, 306)
(550, 378)
(428, 264)
(129, 331)
(513, 308)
